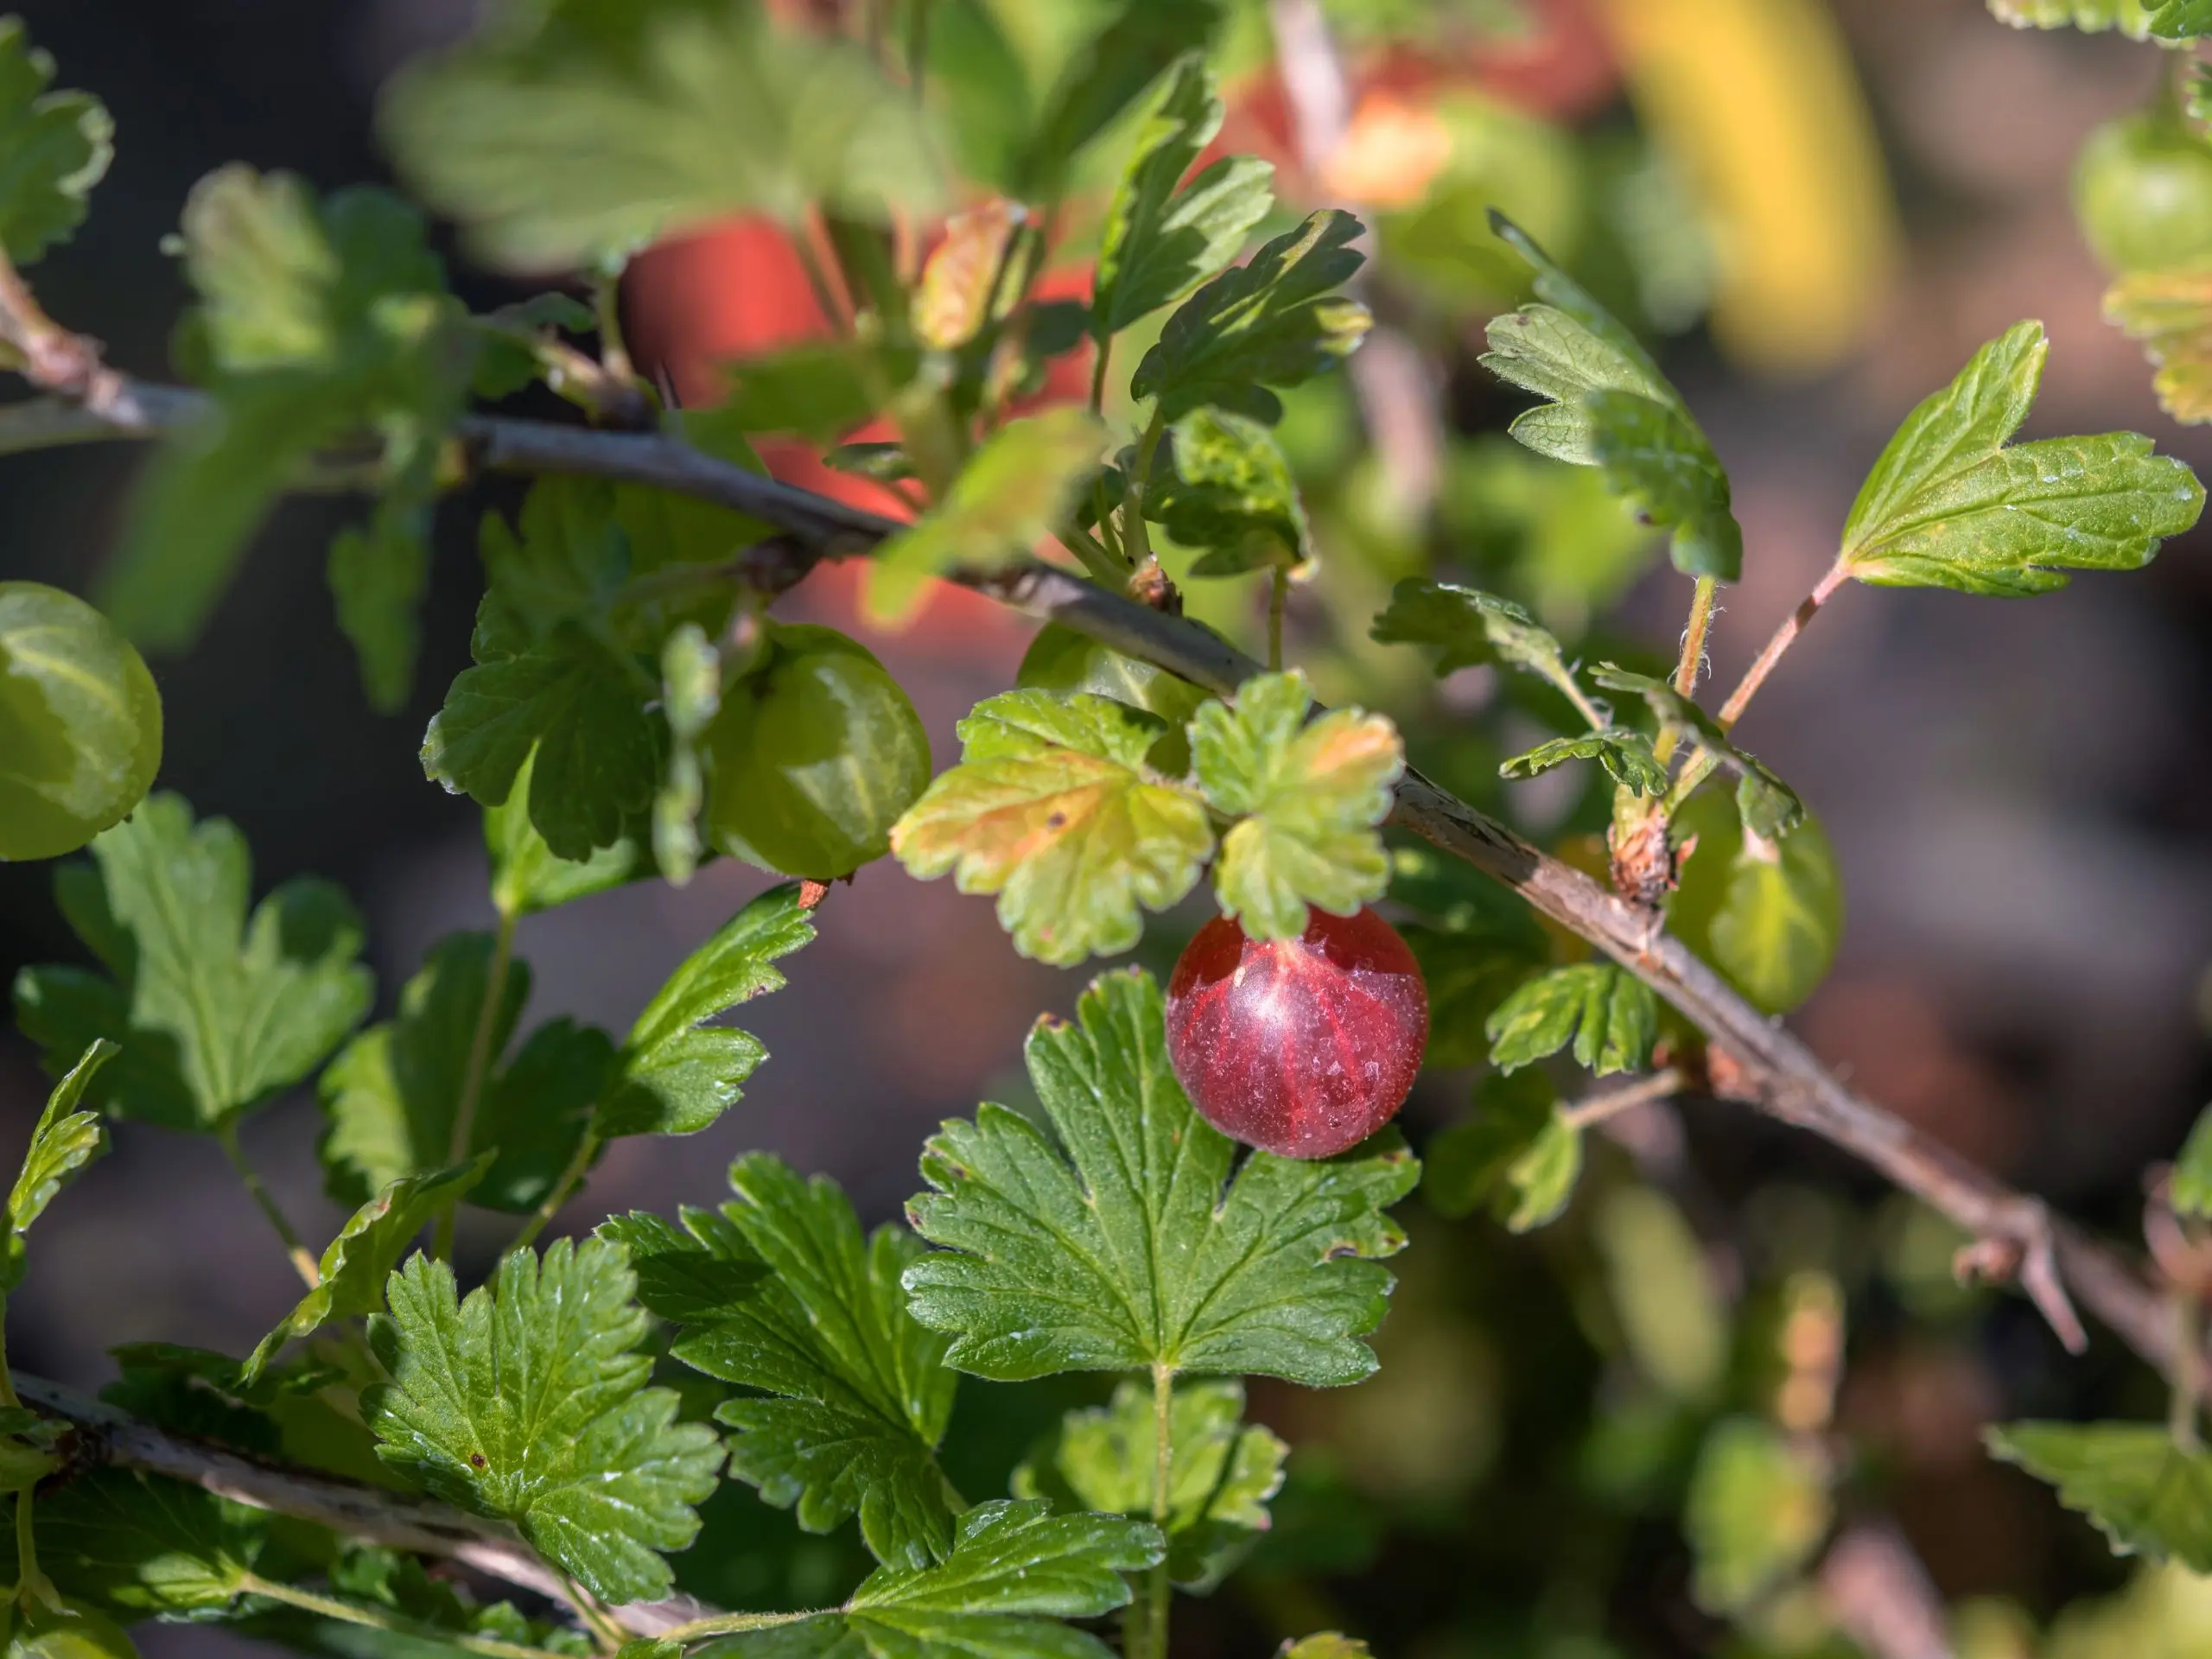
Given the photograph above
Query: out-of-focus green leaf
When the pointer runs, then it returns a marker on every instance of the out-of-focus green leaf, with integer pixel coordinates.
(213, 1013)
(1769, 807)
(1663, 1296)
(1052, 809)
(528, 877)
(1470, 628)
(1159, 242)
(1061, 661)
(63, 1140)
(1118, 1241)
(2170, 313)
(1610, 1016)
(558, 143)
(2145, 1494)
(1768, 914)
(378, 577)
(2140, 20)
(1275, 321)
(1468, 972)
(1005, 501)
(1951, 503)
(2191, 1193)
(1308, 800)
(136, 1544)
(1229, 495)
(1221, 1473)
(1555, 537)
(1759, 1506)
(1102, 80)
(55, 147)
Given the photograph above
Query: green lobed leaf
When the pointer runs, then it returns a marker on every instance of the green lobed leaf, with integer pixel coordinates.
(558, 143)
(135, 1544)
(1221, 1473)
(213, 1013)
(1102, 79)
(2146, 1495)
(55, 147)
(2191, 1193)
(1769, 808)
(378, 577)
(1469, 628)
(1228, 494)
(1309, 797)
(1004, 502)
(1610, 1016)
(1117, 1238)
(316, 322)
(63, 1140)
(1013, 1566)
(357, 1261)
(1951, 503)
(527, 1402)
(528, 877)
(677, 1073)
(390, 1098)
(1275, 321)
(1052, 810)
(1626, 755)
(1160, 241)
(1759, 1506)
(1061, 661)
(777, 1291)
(1611, 408)
(1768, 914)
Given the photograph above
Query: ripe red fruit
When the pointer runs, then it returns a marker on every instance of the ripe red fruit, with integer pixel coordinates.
(1299, 1046)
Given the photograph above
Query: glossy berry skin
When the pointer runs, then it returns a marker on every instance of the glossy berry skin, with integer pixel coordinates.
(1298, 1047)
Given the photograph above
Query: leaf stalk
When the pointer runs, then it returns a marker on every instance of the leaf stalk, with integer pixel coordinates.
(301, 1258)
(479, 1062)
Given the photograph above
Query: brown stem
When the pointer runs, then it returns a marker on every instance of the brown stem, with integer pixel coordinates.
(1785, 637)
(1595, 1108)
(1770, 1068)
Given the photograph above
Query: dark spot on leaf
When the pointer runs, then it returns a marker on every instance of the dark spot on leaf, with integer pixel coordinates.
(1056, 820)
(477, 1460)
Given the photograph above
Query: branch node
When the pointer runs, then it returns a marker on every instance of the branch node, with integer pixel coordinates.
(2021, 1245)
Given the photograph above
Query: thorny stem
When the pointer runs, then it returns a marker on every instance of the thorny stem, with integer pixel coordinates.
(1136, 543)
(1770, 1069)
(379, 1619)
(1701, 624)
(1278, 595)
(2189, 1371)
(570, 1178)
(479, 1062)
(301, 1258)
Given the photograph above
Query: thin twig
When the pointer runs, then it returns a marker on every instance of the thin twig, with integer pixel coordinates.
(1595, 1108)
(295, 1251)
(1785, 637)
(1876, 1590)
(475, 1070)
(1771, 1070)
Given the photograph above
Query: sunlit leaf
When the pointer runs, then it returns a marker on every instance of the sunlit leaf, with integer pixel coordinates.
(1611, 1018)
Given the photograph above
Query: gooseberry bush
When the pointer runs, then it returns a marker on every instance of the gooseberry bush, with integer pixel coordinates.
(1200, 1192)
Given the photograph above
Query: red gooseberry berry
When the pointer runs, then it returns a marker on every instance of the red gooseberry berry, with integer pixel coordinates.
(1299, 1046)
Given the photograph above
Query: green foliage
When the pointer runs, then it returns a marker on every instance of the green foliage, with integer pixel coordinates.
(1004, 502)
(527, 877)
(1673, 1321)
(1626, 754)
(1553, 536)
(1064, 662)
(378, 577)
(571, 135)
(1759, 1506)
(527, 1402)
(1159, 242)
(135, 1543)
(677, 1073)
(1013, 1566)
(1768, 915)
(2191, 1193)
(1102, 80)
(2147, 1495)
(1119, 1241)
(779, 1292)
(1610, 408)
(55, 147)
(1769, 807)
(359, 1260)
(1276, 320)
(315, 322)
(213, 1013)
(2171, 20)
(1221, 1473)
(80, 720)
(1309, 797)
(1610, 1016)
(63, 1140)
(1952, 504)
(690, 696)
(1051, 808)
(1517, 1156)
(1470, 628)
(1230, 492)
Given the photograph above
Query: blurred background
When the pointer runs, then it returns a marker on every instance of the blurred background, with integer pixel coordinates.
(1817, 211)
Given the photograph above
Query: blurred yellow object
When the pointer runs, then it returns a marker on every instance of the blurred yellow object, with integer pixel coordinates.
(2170, 312)
(1759, 102)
